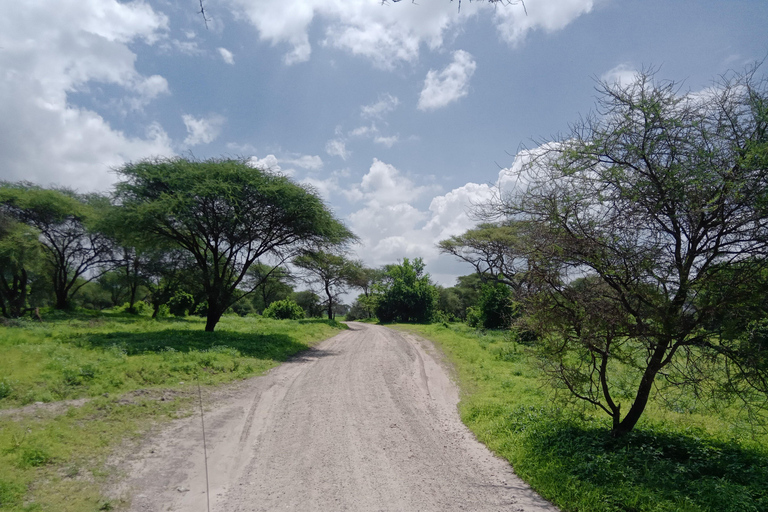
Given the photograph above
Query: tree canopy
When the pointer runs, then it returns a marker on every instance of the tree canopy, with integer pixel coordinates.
(74, 250)
(639, 208)
(406, 294)
(227, 215)
(331, 272)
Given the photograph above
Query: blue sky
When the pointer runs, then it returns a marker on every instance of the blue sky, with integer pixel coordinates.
(400, 115)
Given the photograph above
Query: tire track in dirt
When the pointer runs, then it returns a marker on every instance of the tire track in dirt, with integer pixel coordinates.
(366, 421)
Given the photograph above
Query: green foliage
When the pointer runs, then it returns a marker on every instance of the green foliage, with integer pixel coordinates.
(271, 284)
(496, 251)
(657, 202)
(358, 311)
(673, 461)
(227, 215)
(181, 303)
(309, 302)
(407, 294)
(285, 309)
(71, 246)
(474, 317)
(495, 307)
(329, 272)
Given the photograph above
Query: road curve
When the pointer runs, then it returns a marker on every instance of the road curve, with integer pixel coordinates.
(365, 421)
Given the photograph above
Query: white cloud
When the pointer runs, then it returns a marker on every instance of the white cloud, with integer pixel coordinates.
(269, 163)
(337, 147)
(387, 103)
(387, 141)
(394, 33)
(391, 226)
(47, 139)
(227, 56)
(450, 84)
(514, 24)
(309, 162)
(203, 130)
(363, 131)
(623, 74)
(278, 165)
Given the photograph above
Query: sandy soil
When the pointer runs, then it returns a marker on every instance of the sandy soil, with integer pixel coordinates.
(366, 421)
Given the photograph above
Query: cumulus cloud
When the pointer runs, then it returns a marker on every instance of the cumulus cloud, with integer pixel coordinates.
(388, 35)
(391, 225)
(514, 24)
(47, 139)
(285, 165)
(337, 147)
(444, 87)
(203, 130)
(227, 56)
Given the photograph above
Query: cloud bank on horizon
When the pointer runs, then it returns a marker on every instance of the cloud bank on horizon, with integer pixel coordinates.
(386, 110)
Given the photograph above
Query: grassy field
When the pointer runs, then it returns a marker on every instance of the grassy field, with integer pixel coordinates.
(132, 373)
(673, 461)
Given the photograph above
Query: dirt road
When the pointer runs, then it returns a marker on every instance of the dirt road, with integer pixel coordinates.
(366, 421)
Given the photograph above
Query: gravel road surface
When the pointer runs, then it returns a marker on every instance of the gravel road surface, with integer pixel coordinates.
(365, 421)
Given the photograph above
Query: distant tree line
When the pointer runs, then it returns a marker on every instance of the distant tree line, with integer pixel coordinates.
(176, 235)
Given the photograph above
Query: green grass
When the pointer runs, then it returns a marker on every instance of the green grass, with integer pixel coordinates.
(671, 462)
(135, 372)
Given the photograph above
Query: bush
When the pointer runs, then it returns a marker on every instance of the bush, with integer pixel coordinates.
(285, 309)
(180, 304)
(243, 307)
(139, 308)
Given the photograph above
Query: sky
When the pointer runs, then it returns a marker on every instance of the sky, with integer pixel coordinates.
(401, 115)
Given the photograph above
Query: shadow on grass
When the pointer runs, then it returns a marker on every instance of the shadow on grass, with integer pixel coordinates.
(648, 466)
(278, 347)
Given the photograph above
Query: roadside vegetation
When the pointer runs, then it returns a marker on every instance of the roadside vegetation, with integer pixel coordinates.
(682, 456)
(133, 372)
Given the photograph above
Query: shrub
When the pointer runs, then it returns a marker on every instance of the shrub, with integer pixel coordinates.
(285, 309)
(180, 304)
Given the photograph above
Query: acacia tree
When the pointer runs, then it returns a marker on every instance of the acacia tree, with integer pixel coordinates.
(272, 283)
(496, 251)
(227, 215)
(364, 278)
(74, 250)
(649, 199)
(19, 256)
(331, 272)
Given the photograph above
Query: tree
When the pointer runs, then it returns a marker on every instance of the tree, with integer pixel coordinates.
(331, 272)
(648, 200)
(74, 250)
(272, 284)
(495, 250)
(495, 308)
(309, 302)
(227, 215)
(19, 256)
(406, 294)
(364, 279)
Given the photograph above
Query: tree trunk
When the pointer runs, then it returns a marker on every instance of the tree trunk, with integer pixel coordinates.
(61, 299)
(641, 398)
(214, 315)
